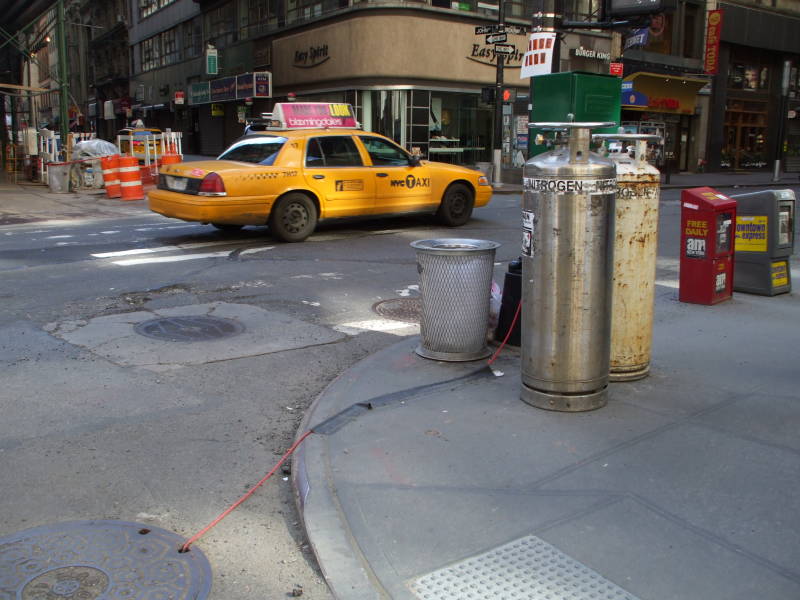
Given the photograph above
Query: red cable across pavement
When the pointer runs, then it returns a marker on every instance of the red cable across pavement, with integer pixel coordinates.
(290, 451)
(225, 513)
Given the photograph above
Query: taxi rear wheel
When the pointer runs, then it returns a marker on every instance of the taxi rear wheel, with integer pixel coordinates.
(293, 218)
(456, 206)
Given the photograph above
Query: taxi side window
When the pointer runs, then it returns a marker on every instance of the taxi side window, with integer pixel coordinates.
(333, 151)
(384, 153)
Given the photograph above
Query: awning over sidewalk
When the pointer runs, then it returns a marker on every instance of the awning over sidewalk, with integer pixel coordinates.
(660, 92)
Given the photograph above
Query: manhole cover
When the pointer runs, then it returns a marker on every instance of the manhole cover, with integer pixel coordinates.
(108, 560)
(198, 328)
(400, 309)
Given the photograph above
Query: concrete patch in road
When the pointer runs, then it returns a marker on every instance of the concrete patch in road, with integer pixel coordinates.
(264, 332)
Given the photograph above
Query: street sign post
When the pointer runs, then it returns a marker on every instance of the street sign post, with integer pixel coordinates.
(496, 38)
(486, 29)
(504, 48)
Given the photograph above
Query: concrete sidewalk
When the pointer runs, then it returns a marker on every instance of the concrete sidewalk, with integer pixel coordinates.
(686, 486)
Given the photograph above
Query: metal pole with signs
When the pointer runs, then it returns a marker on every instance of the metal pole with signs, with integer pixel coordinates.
(497, 157)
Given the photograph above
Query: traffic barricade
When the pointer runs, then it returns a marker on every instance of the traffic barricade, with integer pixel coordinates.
(110, 166)
(130, 179)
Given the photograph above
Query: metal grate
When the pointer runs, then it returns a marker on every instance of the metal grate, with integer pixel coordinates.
(526, 569)
(399, 309)
(101, 560)
(195, 328)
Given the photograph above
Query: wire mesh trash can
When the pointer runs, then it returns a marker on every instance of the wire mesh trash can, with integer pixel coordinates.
(455, 285)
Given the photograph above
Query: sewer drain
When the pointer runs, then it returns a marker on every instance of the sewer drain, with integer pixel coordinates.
(197, 328)
(108, 560)
(400, 309)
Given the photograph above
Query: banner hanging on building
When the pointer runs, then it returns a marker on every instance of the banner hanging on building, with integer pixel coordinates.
(538, 59)
(713, 32)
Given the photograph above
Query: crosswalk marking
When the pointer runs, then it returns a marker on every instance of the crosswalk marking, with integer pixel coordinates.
(137, 251)
(168, 259)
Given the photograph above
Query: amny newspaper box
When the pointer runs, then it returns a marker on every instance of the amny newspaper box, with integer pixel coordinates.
(706, 264)
(764, 242)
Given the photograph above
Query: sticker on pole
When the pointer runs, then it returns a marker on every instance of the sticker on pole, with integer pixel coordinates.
(527, 233)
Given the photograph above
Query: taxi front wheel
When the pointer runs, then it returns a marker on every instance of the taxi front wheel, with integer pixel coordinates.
(456, 207)
(293, 218)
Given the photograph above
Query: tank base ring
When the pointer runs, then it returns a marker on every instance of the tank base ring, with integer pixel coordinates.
(564, 402)
(620, 376)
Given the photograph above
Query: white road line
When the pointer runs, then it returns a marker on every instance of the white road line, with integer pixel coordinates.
(254, 250)
(160, 249)
(168, 259)
(382, 325)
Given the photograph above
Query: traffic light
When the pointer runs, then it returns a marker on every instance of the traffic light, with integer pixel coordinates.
(509, 95)
(487, 95)
(632, 8)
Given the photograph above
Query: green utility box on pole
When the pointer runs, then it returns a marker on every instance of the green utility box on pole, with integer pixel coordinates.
(590, 97)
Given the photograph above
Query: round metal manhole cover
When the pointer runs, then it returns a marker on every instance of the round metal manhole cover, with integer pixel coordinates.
(101, 560)
(197, 328)
(400, 309)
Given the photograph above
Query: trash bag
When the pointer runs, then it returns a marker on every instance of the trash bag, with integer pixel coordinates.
(94, 149)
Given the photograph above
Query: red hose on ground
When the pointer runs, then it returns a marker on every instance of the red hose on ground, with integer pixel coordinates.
(226, 512)
(300, 440)
(508, 334)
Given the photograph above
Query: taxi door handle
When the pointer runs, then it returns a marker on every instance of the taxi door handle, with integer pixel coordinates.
(382, 174)
(318, 176)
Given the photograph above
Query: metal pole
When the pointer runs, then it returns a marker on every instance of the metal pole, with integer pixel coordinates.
(63, 75)
(498, 103)
(776, 173)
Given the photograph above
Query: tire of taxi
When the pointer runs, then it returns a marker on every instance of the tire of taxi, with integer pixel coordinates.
(293, 218)
(456, 206)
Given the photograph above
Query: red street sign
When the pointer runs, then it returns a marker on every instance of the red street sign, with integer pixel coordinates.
(615, 68)
(179, 97)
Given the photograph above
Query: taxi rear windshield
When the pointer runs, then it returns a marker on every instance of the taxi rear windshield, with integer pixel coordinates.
(261, 150)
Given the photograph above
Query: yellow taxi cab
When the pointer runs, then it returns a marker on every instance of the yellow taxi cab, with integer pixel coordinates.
(311, 163)
(132, 140)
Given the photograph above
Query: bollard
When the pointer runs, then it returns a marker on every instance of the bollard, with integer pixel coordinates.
(567, 261)
(455, 285)
(130, 178)
(635, 253)
(110, 165)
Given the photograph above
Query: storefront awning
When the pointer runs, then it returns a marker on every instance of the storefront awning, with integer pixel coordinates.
(659, 92)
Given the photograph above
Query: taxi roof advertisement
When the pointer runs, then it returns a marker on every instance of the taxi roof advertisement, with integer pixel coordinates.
(314, 114)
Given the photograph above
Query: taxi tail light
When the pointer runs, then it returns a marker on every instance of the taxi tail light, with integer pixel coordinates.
(211, 185)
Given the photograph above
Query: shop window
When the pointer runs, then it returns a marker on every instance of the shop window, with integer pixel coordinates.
(193, 38)
(148, 7)
(582, 10)
(170, 47)
(745, 135)
(333, 151)
(150, 53)
(751, 77)
(220, 24)
(660, 34)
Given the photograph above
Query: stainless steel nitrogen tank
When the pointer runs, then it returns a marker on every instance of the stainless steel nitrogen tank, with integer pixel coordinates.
(567, 263)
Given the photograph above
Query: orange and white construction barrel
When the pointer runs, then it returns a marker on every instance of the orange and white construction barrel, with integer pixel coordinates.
(110, 166)
(130, 178)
